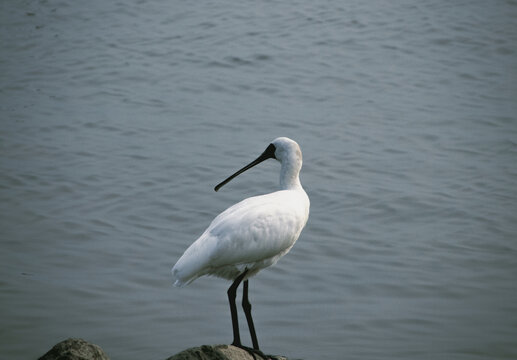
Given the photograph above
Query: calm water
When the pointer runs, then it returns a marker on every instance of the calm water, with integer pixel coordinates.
(118, 118)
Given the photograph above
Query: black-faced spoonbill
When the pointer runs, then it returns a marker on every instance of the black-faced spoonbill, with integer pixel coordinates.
(252, 234)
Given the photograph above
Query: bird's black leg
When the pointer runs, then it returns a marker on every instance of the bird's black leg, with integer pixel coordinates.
(232, 291)
(246, 306)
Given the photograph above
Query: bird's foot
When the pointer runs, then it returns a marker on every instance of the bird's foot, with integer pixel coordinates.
(254, 352)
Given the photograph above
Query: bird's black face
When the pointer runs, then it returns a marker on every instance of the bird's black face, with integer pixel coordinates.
(269, 153)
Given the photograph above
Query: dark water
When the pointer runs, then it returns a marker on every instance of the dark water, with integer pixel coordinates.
(118, 118)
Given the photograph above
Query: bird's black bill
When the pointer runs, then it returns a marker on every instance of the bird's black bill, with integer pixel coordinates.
(269, 153)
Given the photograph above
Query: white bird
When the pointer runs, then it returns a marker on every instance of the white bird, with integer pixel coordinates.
(252, 234)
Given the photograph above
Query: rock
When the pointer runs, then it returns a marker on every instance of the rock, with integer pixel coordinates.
(78, 349)
(75, 349)
(220, 352)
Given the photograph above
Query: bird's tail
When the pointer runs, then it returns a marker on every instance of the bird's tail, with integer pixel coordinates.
(185, 271)
(178, 282)
(193, 263)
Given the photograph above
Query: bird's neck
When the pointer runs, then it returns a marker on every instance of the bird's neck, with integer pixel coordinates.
(289, 176)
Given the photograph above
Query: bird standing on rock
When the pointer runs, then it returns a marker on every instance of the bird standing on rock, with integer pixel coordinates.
(250, 235)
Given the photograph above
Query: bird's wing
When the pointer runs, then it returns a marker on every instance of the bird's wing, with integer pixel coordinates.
(255, 229)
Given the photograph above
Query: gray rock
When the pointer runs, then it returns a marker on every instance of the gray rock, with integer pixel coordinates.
(79, 349)
(220, 352)
(75, 349)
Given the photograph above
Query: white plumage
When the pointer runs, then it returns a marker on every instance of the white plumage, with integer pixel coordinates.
(252, 234)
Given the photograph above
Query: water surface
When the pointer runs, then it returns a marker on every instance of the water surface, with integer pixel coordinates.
(119, 118)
